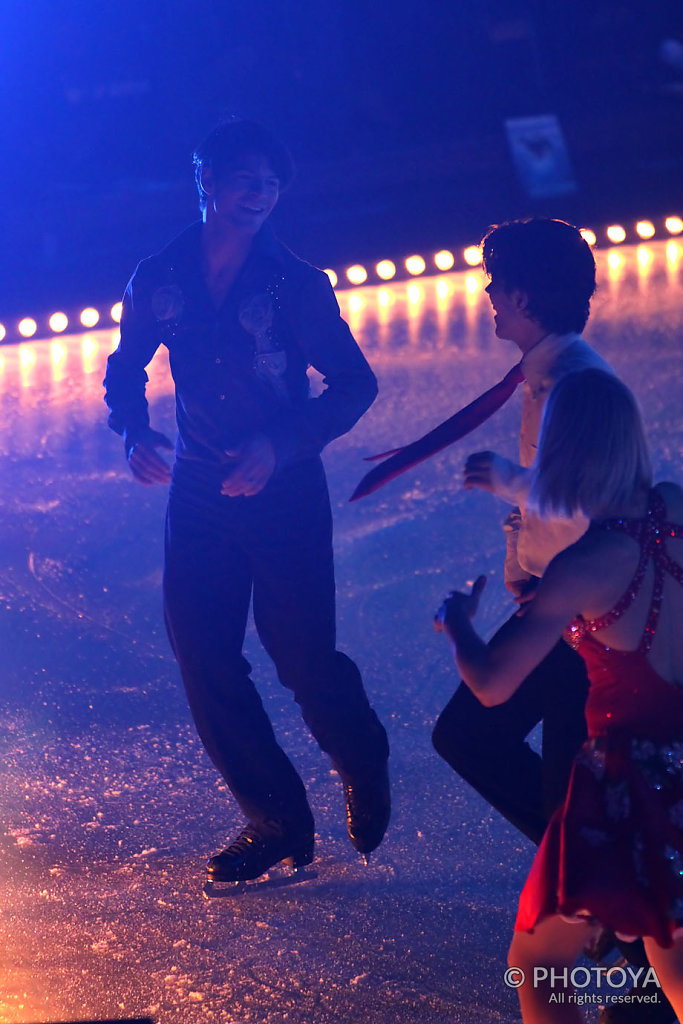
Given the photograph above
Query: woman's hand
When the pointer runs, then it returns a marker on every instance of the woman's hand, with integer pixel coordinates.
(458, 606)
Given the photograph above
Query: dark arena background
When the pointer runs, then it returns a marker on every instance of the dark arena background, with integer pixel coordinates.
(414, 127)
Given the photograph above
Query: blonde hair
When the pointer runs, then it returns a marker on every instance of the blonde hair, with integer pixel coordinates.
(592, 453)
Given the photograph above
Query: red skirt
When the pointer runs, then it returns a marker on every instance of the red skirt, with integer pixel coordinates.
(614, 851)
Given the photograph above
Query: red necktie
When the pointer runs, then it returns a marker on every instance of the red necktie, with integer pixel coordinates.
(398, 460)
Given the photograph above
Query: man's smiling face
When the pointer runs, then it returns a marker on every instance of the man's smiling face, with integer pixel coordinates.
(246, 195)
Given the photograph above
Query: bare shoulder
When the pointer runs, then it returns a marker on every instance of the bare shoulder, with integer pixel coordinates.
(672, 495)
(590, 569)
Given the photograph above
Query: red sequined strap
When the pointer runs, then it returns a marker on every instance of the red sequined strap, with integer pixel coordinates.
(651, 533)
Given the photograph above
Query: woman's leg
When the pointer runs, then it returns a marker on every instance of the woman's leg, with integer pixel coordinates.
(553, 946)
(668, 965)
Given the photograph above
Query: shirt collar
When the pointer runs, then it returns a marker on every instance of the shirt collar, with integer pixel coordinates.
(186, 245)
(538, 361)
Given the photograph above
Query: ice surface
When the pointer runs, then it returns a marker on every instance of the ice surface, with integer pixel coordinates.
(109, 805)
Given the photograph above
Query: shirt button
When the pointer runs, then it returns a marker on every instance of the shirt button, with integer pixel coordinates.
(218, 360)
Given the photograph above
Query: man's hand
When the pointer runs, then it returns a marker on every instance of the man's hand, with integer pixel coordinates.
(254, 465)
(458, 605)
(145, 464)
(478, 471)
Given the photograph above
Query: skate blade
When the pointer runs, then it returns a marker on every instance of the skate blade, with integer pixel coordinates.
(294, 876)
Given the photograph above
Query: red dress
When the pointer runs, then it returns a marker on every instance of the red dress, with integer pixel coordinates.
(614, 850)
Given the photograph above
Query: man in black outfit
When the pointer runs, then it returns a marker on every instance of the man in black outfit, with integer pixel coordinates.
(248, 513)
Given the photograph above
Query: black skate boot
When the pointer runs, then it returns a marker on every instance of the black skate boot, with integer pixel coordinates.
(368, 807)
(257, 849)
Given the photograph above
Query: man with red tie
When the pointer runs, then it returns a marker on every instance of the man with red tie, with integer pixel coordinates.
(542, 278)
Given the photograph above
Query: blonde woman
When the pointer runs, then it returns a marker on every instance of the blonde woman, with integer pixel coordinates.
(612, 855)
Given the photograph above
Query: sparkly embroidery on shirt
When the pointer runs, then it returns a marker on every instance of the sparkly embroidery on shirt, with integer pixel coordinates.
(257, 316)
(168, 302)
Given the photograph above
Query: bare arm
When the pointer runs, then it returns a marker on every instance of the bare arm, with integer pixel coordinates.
(494, 671)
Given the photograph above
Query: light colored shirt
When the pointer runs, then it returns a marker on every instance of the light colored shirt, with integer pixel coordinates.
(532, 542)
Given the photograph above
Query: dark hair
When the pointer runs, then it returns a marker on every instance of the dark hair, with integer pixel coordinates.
(551, 262)
(232, 139)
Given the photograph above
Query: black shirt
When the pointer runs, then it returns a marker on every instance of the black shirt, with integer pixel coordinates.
(239, 369)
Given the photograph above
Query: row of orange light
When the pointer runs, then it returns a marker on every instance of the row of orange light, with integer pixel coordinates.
(444, 260)
(474, 283)
(385, 270)
(58, 322)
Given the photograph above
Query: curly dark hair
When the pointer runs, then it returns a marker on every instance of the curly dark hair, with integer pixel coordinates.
(234, 138)
(551, 262)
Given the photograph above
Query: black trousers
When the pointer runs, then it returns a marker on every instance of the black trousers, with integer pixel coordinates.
(488, 748)
(277, 547)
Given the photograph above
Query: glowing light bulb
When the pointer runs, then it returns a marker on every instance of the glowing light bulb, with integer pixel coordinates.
(616, 233)
(356, 303)
(385, 269)
(115, 312)
(588, 236)
(3, 332)
(27, 327)
(472, 255)
(357, 274)
(674, 225)
(332, 276)
(444, 260)
(645, 229)
(415, 265)
(90, 317)
(58, 322)
(472, 284)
